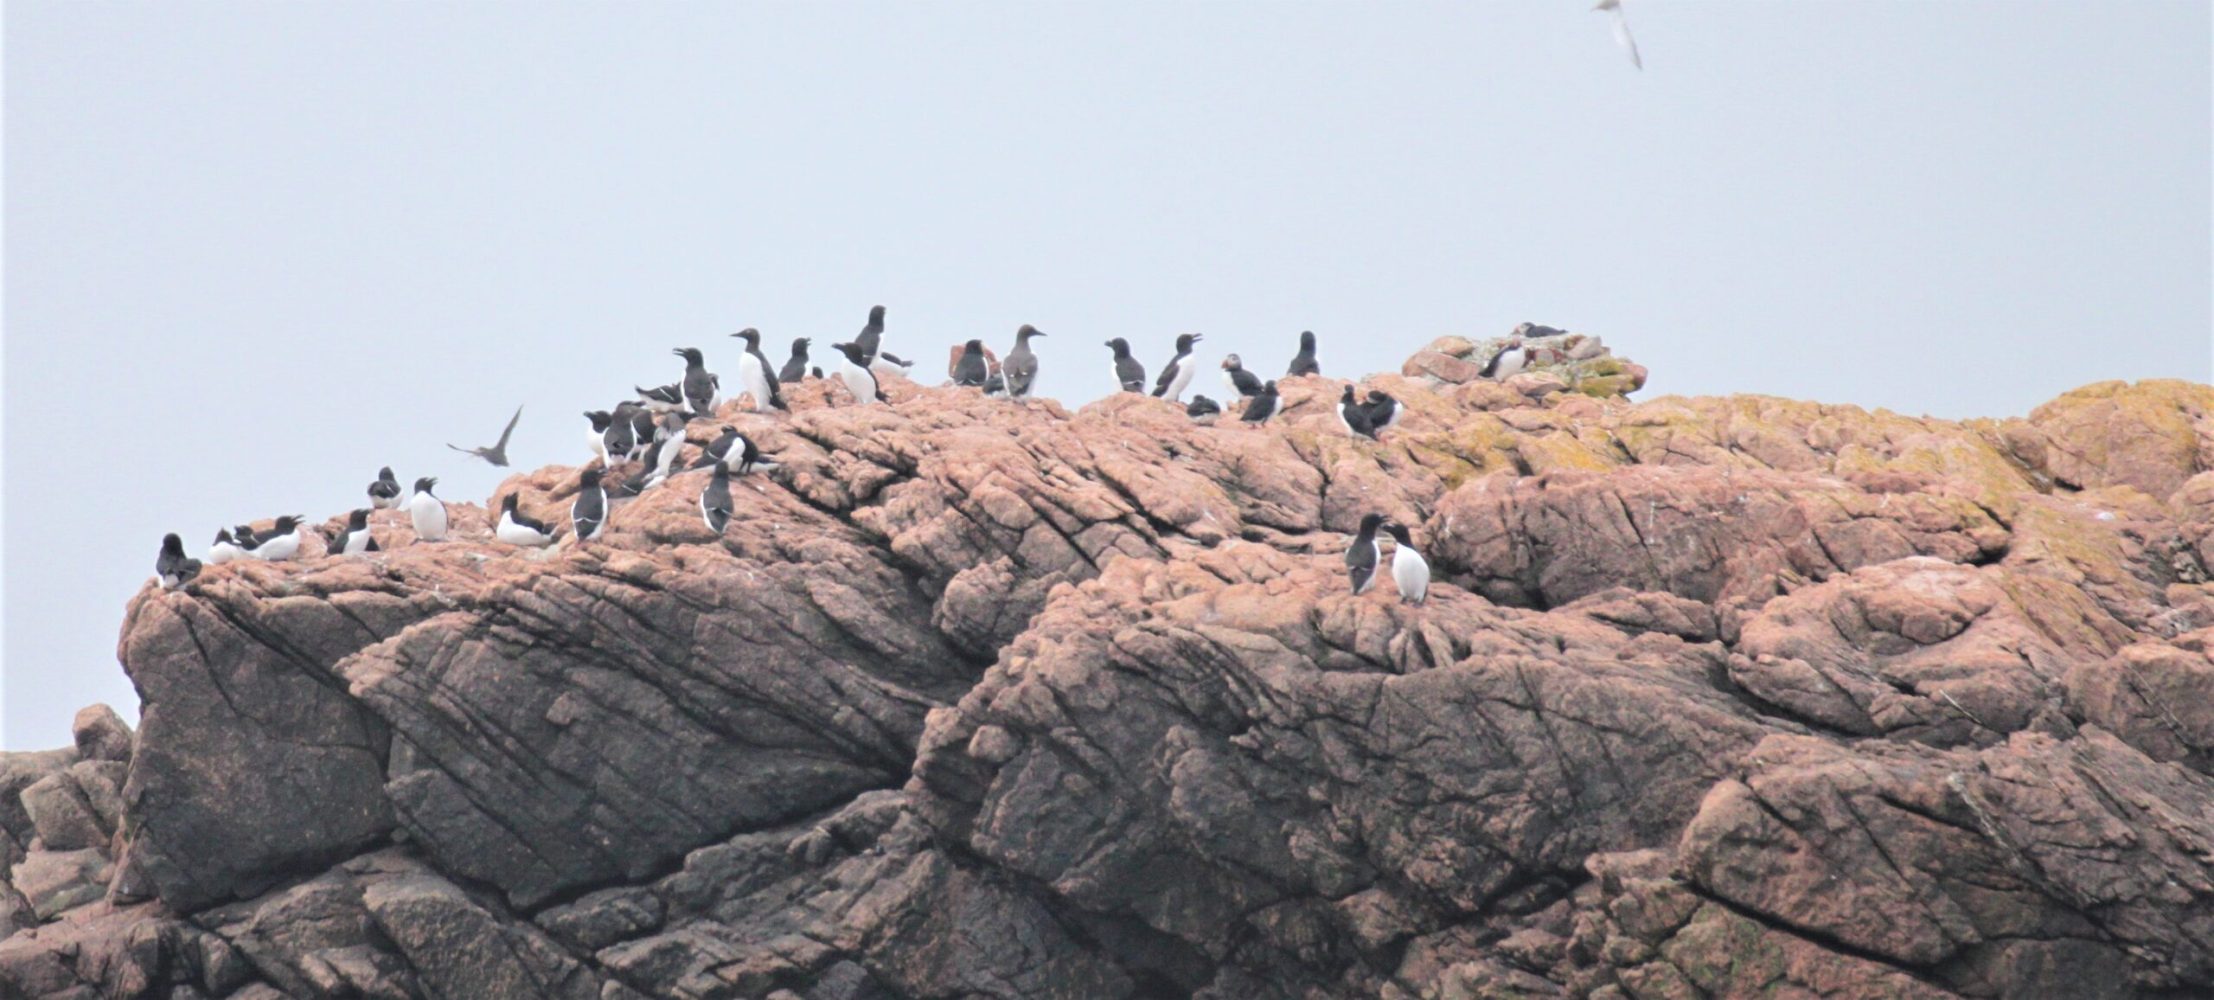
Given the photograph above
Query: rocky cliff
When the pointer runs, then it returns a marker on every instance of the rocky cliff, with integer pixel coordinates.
(1712, 698)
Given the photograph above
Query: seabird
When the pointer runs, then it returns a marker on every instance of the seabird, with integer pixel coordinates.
(1261, 407)
(1512, 358)
(859, 379)
(597, 439)
(661, 458)
(243, 535)
(995, 384)
(1242, 383)
(970, 370)
(795, 368)
(617, 436)
(518, 528)
(172, 566)
(280, 542)
(699, 385)
(663, 398)
(871, 336)
(589, 513)
(1383, 411)
(1304, 362)
(643, 431)
(1409, 570)
(733, 451)
(384, 493)
(1362, 556)
(1353, 416)
(1127, 369)
(755, 378)
(354, 539)
(815, 372)
(715, 500)
(1201, 408)
(427, 511)
(1170, 385)
(224, 549)
(1021, 367)
(1621, 29)
(497, 453)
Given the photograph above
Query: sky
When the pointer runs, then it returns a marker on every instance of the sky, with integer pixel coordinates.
(253, 251)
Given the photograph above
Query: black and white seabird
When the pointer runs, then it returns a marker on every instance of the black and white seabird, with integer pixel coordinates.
(224, 550)
(1261, 407)
(1127, 369)
(1170, 385)
(518, 528)
(354, 539)
(755, 377)
(1362, 557)
(995, 384)
(280, 542)
(699, 385)
(1202, 409)
(795, 367)
(1511, 359)
(597, 439)
(172, 566)
(1383, 411)
(859, 378)
(871, 337)
(715, 500)
(427, 511)
(244, 537)
(733, 452)
(384, 493)
(815, 372)
(589, 513)
(1304, 362)
(617, 435)
(661, 457)
(1409, 571)
(643, 431)
(1242, 383)
(970, 369)
(1353, 415)
(662, 398)
(1021, 366)
(497, 452)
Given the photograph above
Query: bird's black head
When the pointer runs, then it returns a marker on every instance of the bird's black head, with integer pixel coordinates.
(691, 355)
(1028, 332)
(799, 346)
(1268, 388)
(1231, 363)
(288, 522)
(751, 336)
(1121, 346)
(599, 418)
(973, 347)
(245, 532)
(876, 315)
(222, 535)
(171, 545)
(1399, 533)
(359, 519)
(852, 353)
(385, 475)
(1348, 397)
(589, 478)
(1307, 340)
(1184, 342)
(1369, 523)
(1379, 396)
(507, 503)
(424, 484)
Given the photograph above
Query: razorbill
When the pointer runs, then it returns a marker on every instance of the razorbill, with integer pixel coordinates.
(1383, 411)
(602, 421)
(872, 335)
(643, 431)
(1127, 369)
(1170, 385)
(172, 566)
(1353, 416)
(224, 550)
(1261, 407)
(1304, 362)
(354, 539)
(732, 451)
(699, 385)
(715, 500)
(859, 378)
(518, 528)
(1202, 409)
(246, 539)
(617, 437)
(1242, 383)
(497, 452)
(755, 377)
(795, 368)
(970, 369)
(1409, 570)
(1021, 366)
(427, 511)
(1512, 358)
(384, 493)
(662, 398)
(589, 513)
(280, 542)
(1362, 556)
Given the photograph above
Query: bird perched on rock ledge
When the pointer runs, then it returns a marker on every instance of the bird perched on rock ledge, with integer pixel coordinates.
(1362, 557)
(172, 566)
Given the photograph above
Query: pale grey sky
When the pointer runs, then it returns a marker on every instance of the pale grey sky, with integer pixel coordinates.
(256, 250)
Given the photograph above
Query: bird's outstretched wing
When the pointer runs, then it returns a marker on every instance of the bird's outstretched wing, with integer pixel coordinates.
(465, 451)
(502, 446)
(1622, 35)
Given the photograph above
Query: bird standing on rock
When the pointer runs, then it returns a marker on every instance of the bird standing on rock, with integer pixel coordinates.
(280, 542)
(588, 514)
(715, 505)
(1178, 374)
(1304, 362)
(1364, 554)
(699, 384)
(860, 379)
(172, 566)
(1202, 409)
(520, 529)
(354, 539)
(1512, 358)
(1261, 407)
(1021, 367)
(1242, 383)
(224, 550)
(754, 376)
(795, 368)
(1353, 416)
(1383, 411)
(871, 340)
(1409, 571)
(384, 493)
(1128, 371)
(427, 511)
(734, 452)
(971, 370)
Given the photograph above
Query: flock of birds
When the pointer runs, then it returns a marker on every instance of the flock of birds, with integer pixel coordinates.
(650, 430)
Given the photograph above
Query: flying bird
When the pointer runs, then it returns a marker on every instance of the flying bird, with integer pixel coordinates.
(1621, 29)
(497, 454)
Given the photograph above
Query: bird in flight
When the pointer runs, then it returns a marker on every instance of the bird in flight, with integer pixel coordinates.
(497, 454)
(1621, 29)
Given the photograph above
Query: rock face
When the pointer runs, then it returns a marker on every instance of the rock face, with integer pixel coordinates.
(1711, 697)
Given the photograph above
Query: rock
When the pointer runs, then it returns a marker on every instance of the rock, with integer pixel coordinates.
(55, 881)
(101, 734)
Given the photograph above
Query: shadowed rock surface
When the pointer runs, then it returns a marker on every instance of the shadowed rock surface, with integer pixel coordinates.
(1711, 698)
